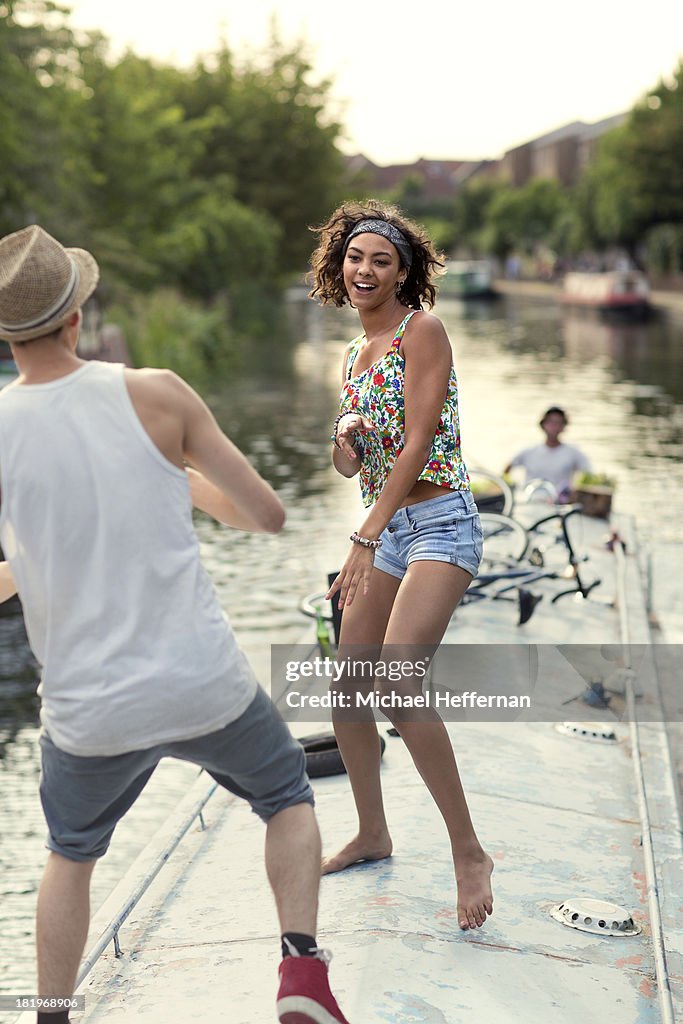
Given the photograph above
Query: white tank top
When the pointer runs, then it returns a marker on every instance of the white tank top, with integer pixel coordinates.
(97, 527)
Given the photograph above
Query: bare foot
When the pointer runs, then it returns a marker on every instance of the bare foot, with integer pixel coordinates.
(358, 851)
(475, 900)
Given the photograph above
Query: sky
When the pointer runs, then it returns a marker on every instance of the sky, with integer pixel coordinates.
(439, 78)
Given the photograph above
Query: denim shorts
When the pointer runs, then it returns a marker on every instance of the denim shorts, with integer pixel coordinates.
(443, 529)
(255, 757)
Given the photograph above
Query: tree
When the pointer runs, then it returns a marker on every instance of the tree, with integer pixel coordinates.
(636, 180)
(266, 130)
(523, 218)
(470, 213)
(42, 118)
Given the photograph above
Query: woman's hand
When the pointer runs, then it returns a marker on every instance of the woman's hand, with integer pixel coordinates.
(350, 424)
(354, 573)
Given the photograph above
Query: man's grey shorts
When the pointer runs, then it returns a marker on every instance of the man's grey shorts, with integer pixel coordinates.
(254, 757)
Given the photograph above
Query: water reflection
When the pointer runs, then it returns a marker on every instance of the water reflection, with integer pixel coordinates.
(18, 676)
(649, 353)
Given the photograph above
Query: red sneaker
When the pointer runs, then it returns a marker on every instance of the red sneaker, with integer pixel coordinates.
(304, 995)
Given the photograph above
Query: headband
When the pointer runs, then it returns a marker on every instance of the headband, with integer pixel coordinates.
(376, 226)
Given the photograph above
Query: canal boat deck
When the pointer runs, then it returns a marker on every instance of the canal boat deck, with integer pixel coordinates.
(562, 818)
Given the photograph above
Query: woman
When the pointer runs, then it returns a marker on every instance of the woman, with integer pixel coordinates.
(419, 545)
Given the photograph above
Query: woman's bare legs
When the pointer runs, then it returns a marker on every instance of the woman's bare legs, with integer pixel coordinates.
(364, 624)
(423, 607)
(419, 613)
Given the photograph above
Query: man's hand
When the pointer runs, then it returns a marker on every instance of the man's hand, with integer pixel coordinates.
(8, 587)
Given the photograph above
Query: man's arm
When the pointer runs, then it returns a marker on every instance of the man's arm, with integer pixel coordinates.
(517, 460)
(210, 499)
(229, 488)
(183, 428)
(582, 462)
(8, 587)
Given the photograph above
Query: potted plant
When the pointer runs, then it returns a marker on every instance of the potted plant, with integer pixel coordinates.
(594, 491)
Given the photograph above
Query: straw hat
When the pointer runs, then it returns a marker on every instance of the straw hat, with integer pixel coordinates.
(41, 283)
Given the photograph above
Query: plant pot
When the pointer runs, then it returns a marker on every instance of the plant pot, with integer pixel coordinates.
(596, 500)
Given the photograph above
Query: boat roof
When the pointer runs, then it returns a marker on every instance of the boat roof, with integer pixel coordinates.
(562, 816)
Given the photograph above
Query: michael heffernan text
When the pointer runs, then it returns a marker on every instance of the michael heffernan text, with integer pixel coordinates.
(378, 700)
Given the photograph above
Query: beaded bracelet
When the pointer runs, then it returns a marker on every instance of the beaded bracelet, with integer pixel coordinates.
(364, 542)
(357, 443)
(333, 435)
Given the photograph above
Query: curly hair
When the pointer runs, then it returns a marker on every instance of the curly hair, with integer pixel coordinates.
(327, 276)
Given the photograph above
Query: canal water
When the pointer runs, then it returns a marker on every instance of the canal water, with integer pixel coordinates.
(620, 383)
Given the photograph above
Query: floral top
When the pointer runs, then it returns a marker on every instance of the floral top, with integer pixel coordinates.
(378, 394)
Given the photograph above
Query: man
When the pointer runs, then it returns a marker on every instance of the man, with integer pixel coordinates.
(138, 660)
(553, 460)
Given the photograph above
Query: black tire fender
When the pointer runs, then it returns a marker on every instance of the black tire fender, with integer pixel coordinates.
(323, 756)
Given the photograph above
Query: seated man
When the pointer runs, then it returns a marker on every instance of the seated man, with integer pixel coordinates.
(552, 460)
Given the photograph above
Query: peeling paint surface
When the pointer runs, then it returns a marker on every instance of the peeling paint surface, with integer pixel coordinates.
(560, 819)
(207, 943)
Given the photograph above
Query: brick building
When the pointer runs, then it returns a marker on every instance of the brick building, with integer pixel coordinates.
(560, 155)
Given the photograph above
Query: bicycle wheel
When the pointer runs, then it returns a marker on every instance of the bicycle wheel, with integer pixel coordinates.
(491, 492)
(505, 540)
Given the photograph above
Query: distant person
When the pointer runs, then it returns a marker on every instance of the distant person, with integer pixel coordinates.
(553, 460)
(138, 660)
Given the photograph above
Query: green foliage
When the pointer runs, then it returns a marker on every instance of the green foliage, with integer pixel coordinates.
(216, 244)
(440, 231)
(664, 248)
(165, 329)
(630, 194)
(265, 129)
(203, 181)
(497, 218)
(434, 213)
(636, 180)
(594, 480)
(42, 117)
(470, 214)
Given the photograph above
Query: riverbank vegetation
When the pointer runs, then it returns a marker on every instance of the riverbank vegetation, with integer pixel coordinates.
(628, 198)
(194, 187)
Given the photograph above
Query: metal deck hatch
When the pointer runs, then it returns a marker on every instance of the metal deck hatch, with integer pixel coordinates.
(595, 916)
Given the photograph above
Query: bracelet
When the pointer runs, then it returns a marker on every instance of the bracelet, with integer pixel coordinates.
(364, 542)
(333, 435)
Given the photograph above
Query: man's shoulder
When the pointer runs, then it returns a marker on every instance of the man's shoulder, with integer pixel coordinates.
(151, 375)
(570, 451)
(531, 450)
(155, 382)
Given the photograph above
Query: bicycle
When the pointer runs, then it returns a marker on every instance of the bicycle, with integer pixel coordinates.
(513, 559)
(492, 492)
(507, 542)
(512, 575)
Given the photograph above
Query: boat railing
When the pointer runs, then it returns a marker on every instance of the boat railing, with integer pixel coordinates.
(657, 930)
(111, 932)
